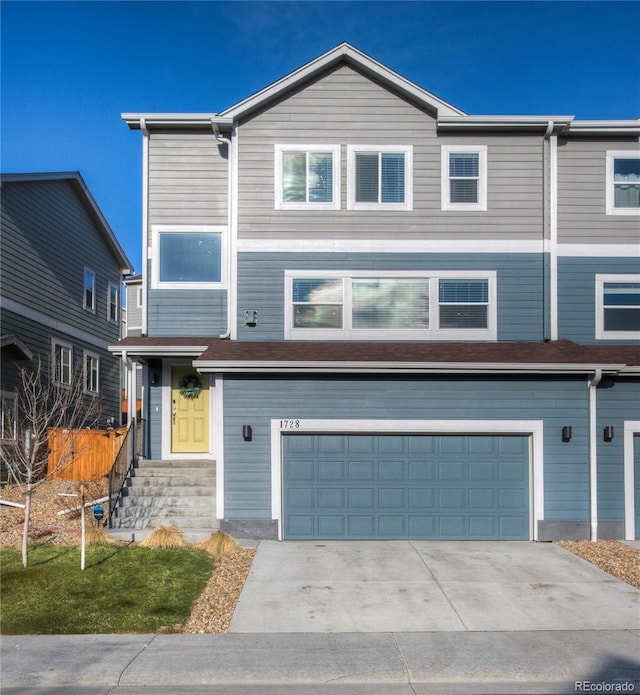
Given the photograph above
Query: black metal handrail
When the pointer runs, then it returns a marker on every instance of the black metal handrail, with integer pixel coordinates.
(122, 465)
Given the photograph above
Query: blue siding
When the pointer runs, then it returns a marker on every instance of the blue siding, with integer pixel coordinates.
(187, 313)
(577, 295)
(520, 285)
(255, 400)
(617, 401)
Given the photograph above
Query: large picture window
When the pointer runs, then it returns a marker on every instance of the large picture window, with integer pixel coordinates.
(379, 177)
(365, 305)
(618, 307)
(307, 177)
(623, 183)
(464, 177)
(188, 257)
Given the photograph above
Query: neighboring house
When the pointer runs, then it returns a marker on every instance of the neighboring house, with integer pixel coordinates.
(399, 320)
(61, 269)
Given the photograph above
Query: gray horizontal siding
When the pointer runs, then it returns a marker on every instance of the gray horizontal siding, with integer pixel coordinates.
(256, 401)
(48, 237)
(344, 107)
(520, 285)
(38, 339)
(188, 178)
(617, 401)
(582, 191)
(577, 298)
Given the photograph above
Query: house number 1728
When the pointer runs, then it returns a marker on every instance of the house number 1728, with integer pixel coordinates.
(289, 424)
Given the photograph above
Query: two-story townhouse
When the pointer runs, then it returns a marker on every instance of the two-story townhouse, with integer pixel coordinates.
(61, 269)
(379, 317)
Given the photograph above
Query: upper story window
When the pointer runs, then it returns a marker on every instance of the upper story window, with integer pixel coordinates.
(364, 305)
(8, 417)
(61, 358)
(464, 177)
(623, 183)
(112, 302)
(138, 292)
(91, 373)
(379, 177)
(89, 299)
(618, 307)
(307, 177)
(187, 257)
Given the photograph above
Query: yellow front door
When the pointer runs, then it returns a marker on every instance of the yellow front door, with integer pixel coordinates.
(189, 411)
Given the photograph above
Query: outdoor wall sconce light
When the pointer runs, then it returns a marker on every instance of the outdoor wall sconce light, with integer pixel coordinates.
(155, 379)
(566, 433)
(608, 433)
(246, 433)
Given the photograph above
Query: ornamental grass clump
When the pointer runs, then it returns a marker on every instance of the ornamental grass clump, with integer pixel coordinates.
(98, 535)
(219, 544)
(165, 537)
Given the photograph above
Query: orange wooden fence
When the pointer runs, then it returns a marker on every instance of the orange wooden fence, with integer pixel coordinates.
(92, 453)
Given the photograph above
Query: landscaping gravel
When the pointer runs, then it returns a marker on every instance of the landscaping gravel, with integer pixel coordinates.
(618, 559)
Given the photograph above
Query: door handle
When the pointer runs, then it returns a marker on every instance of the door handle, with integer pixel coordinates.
(173, 412)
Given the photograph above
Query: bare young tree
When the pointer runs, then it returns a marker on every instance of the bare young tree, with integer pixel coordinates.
(41, 405)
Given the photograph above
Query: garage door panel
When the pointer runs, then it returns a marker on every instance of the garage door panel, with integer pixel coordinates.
(406, 486)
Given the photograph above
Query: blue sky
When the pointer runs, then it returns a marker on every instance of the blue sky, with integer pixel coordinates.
(69, 69)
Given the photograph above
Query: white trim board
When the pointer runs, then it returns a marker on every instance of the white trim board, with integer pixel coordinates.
(531, 428)
(631, 429)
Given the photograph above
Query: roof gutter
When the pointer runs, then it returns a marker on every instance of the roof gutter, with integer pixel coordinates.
(251, 366)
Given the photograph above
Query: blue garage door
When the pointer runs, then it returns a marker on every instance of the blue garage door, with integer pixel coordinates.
(406, 486)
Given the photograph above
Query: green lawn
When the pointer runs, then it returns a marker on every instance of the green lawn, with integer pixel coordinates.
(122, 589)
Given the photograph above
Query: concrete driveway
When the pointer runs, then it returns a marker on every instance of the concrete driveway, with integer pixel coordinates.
(427, 586)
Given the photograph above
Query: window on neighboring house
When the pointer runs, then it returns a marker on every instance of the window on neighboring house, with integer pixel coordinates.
(623, 183)
(89, 290)
(112, 302)
(618, 307)
(379, 177)
(91, 373)
(405, 305)
(8, 417)
(62, 370)
(187, 257)
(139, 297)
(464, 177)
(307, 177)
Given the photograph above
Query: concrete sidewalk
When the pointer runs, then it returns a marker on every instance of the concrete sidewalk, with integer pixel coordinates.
(429, 586)
(331, 664)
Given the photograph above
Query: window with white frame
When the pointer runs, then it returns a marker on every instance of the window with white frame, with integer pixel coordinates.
(374, 305)
(139, 297)
(618, 307)
(464, 177)
(112, 302)
(91, 373)
(623, 182)
(188, 256)
(89, 299)
(307, 177)
(379, 177)
(8, 417)
(61, 357)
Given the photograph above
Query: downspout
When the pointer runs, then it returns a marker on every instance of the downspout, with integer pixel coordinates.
(593, 456)
(550, 232)
(145, 218)
(229, 246)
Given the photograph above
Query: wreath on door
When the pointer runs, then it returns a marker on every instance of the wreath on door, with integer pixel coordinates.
(190, 386)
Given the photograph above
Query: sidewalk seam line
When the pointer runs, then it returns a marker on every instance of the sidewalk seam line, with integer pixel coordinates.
(133, 658)
(403, 658)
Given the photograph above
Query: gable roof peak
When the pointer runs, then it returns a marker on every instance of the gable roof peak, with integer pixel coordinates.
(342, 53)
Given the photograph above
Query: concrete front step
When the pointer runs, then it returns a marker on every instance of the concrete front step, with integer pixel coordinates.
(182, 493)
